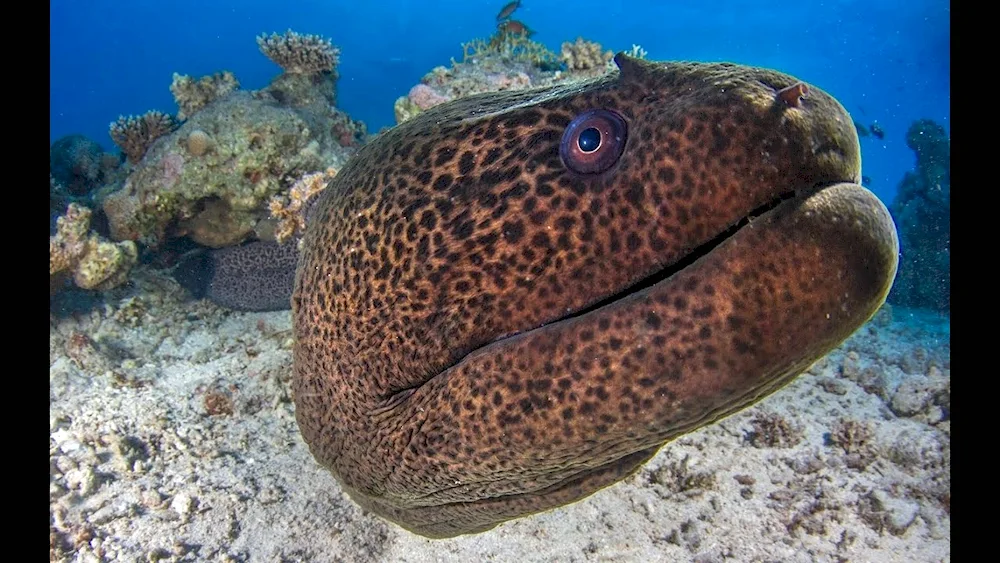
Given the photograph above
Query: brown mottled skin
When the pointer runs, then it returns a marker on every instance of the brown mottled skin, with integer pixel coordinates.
(482, 333)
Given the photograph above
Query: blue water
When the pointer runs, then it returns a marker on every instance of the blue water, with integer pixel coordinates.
(884, 60)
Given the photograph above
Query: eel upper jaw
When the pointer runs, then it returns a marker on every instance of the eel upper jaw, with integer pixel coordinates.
(683, 262)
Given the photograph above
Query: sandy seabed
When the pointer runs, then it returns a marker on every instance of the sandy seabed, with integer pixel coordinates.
(172, 437)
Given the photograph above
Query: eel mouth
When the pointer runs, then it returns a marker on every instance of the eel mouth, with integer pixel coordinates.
(883, 238)
(789, 282)
(696, 254)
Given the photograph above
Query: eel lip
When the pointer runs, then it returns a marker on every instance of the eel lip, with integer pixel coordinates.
(833, 206)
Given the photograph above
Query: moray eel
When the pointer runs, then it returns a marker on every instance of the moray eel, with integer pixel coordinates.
(514, 300)
(256, 276)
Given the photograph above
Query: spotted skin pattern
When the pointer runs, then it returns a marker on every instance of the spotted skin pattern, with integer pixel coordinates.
(482, 334)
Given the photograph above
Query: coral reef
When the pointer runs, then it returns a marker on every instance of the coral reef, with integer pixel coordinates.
(506, 61)
(584, 55)
(92, 262)
(211, 179)
(79, 164)
(922, 209)
(207, 180)
(289, 210)
(192, 95)
(296, 53)
(136, 134)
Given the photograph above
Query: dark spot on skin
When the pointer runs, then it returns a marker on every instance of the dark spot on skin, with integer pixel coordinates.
(466, 163)
(444, 156)
(513, 231)
(653, 320)
(443, 182)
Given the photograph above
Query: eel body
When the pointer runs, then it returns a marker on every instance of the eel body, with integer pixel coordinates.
(256, 276)
(514, 300)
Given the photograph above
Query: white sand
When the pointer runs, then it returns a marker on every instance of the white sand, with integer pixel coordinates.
(140, 471)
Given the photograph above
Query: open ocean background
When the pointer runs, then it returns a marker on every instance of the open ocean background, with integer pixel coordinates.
(886, 61)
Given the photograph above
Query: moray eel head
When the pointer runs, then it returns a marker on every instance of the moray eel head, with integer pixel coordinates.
(514, 299)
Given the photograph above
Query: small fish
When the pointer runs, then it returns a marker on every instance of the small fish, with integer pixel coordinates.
(514, 27)
(508, 9)
(877, 130)
(862, 130)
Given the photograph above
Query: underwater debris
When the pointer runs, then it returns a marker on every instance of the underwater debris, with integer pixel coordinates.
(191, 95)
(135, 134)
(296, 53)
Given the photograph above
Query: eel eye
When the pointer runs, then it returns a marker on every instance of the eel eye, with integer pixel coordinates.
(593, 141)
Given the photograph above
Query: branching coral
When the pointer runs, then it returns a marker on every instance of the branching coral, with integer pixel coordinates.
(300, 54)
(135, 134)
(584, 55)
(514, 47)
(94, 264)
(290, 209)
(637, 51)
(191, 95)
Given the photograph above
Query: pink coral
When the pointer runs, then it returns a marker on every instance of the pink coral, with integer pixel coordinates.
(424, 97)
(173, 167)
